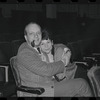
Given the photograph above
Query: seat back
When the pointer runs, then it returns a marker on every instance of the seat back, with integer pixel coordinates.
(15, 71)
(15, 45)
(94, 76)
(5, 52)
(97, 80)
(75, 50)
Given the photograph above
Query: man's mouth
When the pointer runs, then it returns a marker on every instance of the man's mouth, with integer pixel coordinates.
(32, 43)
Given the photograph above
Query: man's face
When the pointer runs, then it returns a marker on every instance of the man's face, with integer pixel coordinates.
(33, 34)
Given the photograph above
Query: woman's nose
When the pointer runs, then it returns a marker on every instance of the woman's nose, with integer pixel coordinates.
(46, 45)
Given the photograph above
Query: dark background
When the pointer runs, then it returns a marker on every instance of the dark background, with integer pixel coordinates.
(76, 25)
(64, 25)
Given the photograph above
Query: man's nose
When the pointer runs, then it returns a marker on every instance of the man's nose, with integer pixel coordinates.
(36, 36)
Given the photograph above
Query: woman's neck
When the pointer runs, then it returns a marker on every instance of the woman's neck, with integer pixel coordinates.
(50, 56)
(49, 53)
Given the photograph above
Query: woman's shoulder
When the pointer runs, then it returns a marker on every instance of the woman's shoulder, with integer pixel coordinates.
(60, 46)
(58, 51)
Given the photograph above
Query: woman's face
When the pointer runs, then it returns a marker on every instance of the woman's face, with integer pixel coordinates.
(46, 45)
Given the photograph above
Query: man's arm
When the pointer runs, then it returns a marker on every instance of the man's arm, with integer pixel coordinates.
(32, 62)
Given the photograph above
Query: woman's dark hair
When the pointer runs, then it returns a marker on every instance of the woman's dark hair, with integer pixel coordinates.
(45, 36)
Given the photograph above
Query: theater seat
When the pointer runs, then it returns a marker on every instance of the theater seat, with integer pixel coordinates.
(21, 88)
(94, 76)
(7, 88)
(5, 52)
(15, 45)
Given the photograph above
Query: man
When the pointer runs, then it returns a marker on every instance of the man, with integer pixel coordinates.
(36, 73)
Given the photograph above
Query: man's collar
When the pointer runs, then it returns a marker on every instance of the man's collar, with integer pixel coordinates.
(37, 49)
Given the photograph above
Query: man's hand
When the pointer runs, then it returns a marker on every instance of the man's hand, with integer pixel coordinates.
(60, 75)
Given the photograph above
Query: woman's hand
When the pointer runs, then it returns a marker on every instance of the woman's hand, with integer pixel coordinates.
(66, 58)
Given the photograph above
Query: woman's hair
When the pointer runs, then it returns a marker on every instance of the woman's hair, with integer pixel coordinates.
(45, 36)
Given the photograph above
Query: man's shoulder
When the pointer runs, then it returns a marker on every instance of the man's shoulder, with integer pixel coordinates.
(22, 46)
(25, 47)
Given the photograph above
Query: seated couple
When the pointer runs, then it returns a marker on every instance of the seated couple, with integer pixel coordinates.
(44, 64)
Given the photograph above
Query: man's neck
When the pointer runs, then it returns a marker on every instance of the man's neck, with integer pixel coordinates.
(50, 57)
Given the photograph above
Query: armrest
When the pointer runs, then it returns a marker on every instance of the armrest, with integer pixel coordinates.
(90, 58)
(4, 70)
(87, 61)
(81, 62)
(34, 90)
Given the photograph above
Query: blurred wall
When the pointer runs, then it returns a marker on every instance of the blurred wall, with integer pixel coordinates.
(66, 27)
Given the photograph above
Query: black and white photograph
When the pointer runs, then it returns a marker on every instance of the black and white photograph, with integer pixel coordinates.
(50, 48)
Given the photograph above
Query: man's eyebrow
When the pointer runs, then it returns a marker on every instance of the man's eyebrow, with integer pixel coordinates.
(38, 32)
(31, 32)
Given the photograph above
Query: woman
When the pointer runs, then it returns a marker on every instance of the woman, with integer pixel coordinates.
(54, 52)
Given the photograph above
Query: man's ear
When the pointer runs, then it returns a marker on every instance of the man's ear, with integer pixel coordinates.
(52, 42)
(25, 37)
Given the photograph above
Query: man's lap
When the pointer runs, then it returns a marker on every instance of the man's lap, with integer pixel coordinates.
(68, 87)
